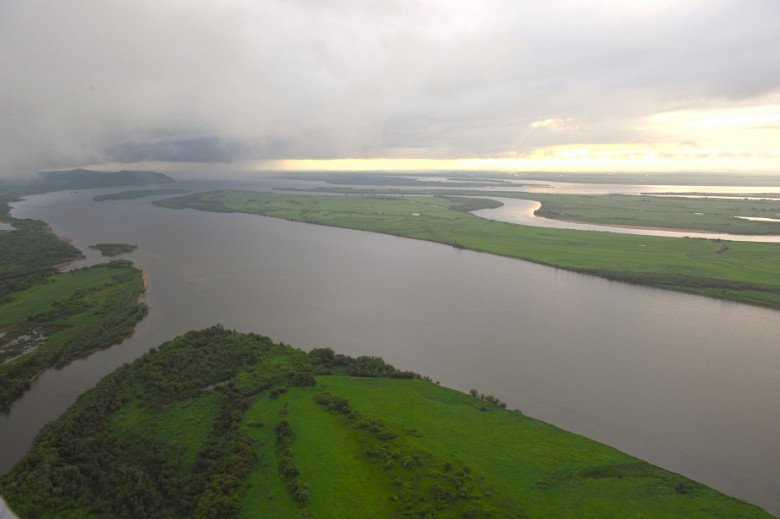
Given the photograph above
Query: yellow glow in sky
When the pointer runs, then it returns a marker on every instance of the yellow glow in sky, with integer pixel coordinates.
(750, 117)
(731, 139)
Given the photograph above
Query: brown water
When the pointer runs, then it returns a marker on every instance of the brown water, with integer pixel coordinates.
(686, 382)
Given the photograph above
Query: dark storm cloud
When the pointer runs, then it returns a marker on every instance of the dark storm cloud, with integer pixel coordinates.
(89, 81)
(205, 149)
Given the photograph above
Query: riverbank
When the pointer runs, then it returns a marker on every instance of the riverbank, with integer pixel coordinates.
(739, 271)
(235, 425)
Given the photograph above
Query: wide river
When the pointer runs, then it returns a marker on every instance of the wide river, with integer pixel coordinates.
(686, 382)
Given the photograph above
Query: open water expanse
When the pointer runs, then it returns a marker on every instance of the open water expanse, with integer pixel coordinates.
(686, 382)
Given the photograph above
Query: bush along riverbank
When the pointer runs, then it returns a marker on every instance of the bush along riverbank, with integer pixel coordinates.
(220, 424)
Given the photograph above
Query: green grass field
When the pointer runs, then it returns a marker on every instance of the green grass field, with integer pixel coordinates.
(741, 271)
(701, 214)
(217, 424)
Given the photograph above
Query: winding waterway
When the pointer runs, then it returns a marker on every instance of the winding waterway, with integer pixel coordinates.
(521, 212)
(686, 382)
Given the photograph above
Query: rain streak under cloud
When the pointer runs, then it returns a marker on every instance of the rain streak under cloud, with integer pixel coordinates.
(566, 85)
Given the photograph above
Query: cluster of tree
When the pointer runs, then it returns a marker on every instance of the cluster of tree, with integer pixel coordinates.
(370, 366)
(107, 321)
(80, 462)
(85, 463)
(113, 249)
(425, 485)
(488, 398)
(29, 253)
(288, 470)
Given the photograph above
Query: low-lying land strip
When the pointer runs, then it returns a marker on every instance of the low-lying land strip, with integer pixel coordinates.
(741, 271)
(137, 193)
(702, 214)
(219, 424)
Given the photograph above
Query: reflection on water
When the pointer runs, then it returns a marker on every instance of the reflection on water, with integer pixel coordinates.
(686, 382)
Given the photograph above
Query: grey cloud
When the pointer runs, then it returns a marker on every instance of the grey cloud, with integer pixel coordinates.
(203, 149)
(89, 81)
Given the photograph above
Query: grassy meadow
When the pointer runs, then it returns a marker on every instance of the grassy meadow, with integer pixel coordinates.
(741, 271)
(716, 215)
(219, 424)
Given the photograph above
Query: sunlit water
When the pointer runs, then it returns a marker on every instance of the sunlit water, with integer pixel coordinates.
(686, 382)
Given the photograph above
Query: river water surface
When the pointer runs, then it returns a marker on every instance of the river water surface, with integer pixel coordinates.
(685, 382)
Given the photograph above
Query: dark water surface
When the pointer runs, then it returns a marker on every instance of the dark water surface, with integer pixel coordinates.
(685, 382)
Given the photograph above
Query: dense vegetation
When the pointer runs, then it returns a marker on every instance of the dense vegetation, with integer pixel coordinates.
(742, 271)
(218, 424)
(29, 252)
(113, 249)
(69, 316)
(137, 193)
(49, 318)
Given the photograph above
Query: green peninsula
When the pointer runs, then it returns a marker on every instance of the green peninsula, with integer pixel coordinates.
(740, 271)
(50, 318)
(220, 424)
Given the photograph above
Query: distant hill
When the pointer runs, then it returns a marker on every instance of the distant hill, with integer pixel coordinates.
(220, 424)
(86, 179)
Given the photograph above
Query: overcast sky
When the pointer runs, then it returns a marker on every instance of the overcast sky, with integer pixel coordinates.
(564, 85)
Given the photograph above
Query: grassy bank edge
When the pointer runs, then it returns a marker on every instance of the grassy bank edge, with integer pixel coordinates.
(746, 279)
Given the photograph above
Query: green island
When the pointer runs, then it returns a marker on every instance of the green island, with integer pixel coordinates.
(113, 249)
(50, 318)
(138, 193)
(740, 271)
(220, 424)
